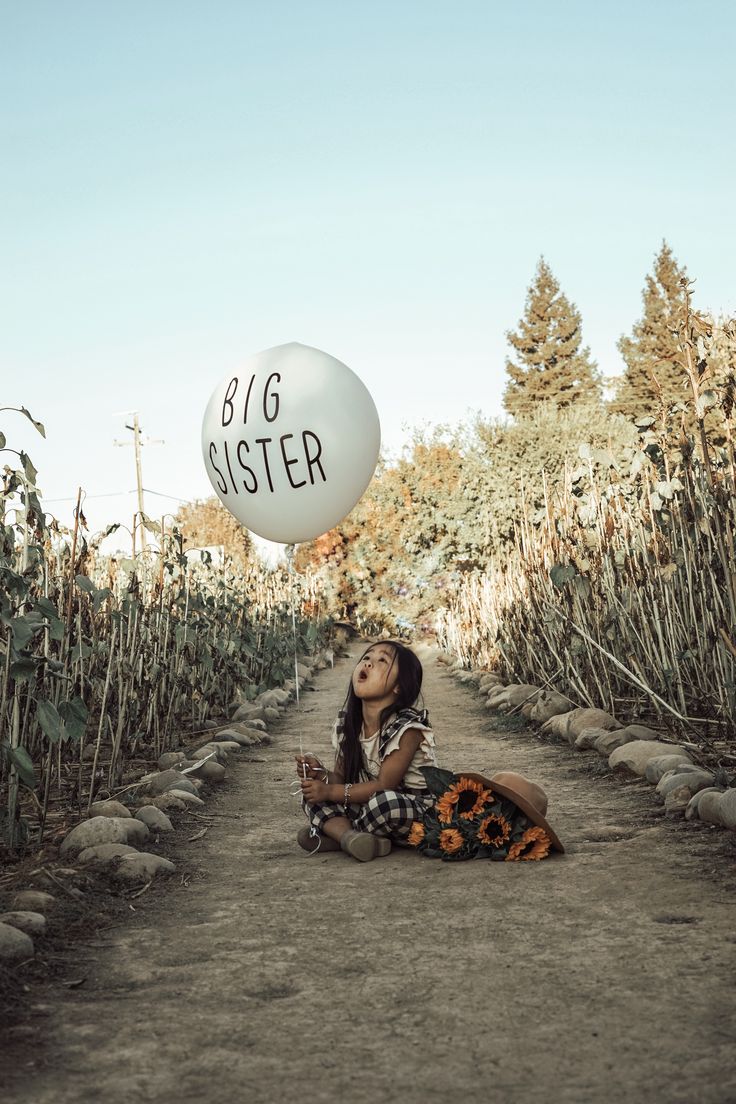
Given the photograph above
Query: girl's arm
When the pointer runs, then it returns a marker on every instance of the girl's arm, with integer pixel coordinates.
(390, 776)
(336, 777)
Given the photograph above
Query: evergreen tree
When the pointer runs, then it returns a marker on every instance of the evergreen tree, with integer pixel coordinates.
(550, 365)
(650, 353)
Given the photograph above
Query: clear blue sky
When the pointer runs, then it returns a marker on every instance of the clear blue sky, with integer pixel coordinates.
(186, 183)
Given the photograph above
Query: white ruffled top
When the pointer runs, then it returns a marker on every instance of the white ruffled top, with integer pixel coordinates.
(424, 756)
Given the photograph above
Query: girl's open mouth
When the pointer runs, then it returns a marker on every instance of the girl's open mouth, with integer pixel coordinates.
(362, 676)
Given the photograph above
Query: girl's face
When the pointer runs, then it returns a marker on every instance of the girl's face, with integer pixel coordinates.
(377, 673)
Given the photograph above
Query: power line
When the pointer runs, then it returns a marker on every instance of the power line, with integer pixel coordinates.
(108, 494)
(160, 494)
(120, 494)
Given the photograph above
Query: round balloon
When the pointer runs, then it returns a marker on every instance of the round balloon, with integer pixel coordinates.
(290, 442)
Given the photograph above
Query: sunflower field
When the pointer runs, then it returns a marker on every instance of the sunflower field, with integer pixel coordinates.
(105, 661)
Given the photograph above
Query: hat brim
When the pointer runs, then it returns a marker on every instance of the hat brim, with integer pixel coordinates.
(521, 802)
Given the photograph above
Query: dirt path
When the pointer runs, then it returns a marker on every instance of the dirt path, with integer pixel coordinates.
(603, 976)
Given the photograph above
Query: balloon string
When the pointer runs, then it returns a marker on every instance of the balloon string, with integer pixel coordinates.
(297, 792)
(290, 563)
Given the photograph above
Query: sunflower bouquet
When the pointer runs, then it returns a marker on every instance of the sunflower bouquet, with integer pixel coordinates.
(470, 820)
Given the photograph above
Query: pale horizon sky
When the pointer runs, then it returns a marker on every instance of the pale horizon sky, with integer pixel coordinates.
(185, 184)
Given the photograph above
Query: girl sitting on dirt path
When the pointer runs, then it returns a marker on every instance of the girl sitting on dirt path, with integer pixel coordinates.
(376, 791)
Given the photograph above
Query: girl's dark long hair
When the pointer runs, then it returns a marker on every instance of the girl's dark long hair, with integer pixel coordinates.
(409, 685)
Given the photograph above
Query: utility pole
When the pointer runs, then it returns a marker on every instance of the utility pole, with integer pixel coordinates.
(137, 432)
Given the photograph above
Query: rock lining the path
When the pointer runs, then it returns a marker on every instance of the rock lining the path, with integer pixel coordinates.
(142, 866)
(634, 751)
(102, 829)
(110, 837)
(32, 923)
(105, 853)
(33, 900)
(15, 945)
(109, 809)
(634, 757)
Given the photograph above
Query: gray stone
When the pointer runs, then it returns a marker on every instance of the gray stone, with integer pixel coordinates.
(495, 695)
(586, 739)
(693, 780)
(109, 809)
(186, 797)
(677, 800)
(154, 819)
(33, 900)
(103, 830)
(203, 753)
(274, 698)
(692, 813)
(549, 704)
(32, 923)
(105, 853)
(15, 945)
(169, 800)
(211, 771)
(567, 726)
(517, 695)
(609, 741)
(243, 739)
(727, 809)
(233, 733)
(249, 713)
(641, 732)
(142, 867)
(170, 780)
(661, 765)
(488, 680)
(709, 807)
(207, 751)
(162, 781)
(271, 714)
(633, 757)
(227, 745)
(256, 723)
(171, 759)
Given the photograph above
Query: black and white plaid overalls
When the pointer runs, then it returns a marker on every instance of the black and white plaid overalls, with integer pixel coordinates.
(389, 813)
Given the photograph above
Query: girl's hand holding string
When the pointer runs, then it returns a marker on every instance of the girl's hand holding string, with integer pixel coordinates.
(314, 768)
(314, 790)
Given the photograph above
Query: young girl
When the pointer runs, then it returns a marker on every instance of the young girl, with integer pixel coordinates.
(376, 790)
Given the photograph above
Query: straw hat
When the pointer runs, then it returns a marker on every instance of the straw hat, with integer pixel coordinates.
(528, 796)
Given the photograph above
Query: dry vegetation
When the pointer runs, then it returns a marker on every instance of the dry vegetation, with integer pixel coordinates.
(109, 660)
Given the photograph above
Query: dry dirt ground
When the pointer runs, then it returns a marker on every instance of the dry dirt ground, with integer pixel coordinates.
(257, 973)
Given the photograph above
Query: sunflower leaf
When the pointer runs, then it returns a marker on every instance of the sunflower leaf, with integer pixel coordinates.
(437, 780)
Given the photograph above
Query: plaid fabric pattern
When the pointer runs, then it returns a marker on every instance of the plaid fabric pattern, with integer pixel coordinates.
(389, 813)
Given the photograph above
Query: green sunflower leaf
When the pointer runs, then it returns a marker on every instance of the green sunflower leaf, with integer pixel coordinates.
(437, 780)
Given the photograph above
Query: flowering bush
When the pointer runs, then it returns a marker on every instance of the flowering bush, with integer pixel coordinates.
(470, 821)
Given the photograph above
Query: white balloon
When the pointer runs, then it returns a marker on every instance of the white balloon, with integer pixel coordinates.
(290, 442)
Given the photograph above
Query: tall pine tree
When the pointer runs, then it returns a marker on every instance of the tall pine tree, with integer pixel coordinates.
(650, 353)
(550, 364)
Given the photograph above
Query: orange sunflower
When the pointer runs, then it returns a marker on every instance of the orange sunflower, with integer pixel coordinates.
(450, 840)
(416, 833)
(466, 797)
(533, 845)
(494, 830)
